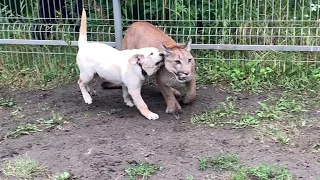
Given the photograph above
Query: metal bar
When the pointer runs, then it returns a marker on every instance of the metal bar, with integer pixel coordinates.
(117, 23)
(193, 46)
(47, 42)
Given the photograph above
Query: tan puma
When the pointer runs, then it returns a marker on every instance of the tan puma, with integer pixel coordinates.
(179, 63)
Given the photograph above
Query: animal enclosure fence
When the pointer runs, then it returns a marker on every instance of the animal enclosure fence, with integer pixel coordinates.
(39, 37)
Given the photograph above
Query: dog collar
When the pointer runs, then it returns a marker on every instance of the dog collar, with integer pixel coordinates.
(143, 72)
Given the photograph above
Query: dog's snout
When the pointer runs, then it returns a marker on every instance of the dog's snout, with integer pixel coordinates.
(161, 54)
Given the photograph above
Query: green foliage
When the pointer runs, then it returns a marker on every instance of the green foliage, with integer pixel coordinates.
(22, 168)
(262, 172)
(225, 161)
(63, 176)
(142, 170)
(6, 102)
(25, 129)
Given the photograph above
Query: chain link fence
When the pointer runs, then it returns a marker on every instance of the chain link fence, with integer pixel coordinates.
(40, 36)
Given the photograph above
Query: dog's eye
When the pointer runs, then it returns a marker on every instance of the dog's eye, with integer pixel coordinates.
(151, 54)
(178, 62)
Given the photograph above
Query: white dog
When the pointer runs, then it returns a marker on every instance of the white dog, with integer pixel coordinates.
(127, 68)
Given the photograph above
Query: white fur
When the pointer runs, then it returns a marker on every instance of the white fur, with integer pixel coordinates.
(118, 67)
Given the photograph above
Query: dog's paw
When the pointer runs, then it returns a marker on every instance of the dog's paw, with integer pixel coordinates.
(153, 116)
(129, 103)
(88, 100)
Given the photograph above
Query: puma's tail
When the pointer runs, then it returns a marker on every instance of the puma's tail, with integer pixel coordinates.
(83, 29)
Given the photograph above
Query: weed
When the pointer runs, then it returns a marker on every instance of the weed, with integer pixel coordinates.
(203, 163)
(277, 134)
(225, 109)
(190, 177)
(225, 161)
(17, 113)
(6, 102)
(143, 170)
(22, 167)
(25, 129)
(63, 176)
(262, 172)
(112, 111)
(55, 121)
(246, 121)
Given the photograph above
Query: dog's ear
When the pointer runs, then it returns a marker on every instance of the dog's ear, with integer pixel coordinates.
(188, 45)
(136, 59)
(165, 51)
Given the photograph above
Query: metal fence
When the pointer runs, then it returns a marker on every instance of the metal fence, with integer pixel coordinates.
(31, 30)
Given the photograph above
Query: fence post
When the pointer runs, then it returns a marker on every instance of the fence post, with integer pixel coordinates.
(117, 23)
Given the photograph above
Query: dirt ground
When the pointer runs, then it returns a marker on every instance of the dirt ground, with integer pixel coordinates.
(99, 146)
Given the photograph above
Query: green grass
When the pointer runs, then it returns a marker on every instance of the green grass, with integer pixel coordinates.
(7, 102)
(190, 177)
(56, 121)
(262, 172)
(229, 162)
(24, 129)
(141, 171)
(62, 176)
(22, 167)
(275, 117)
(225, 161)
(226, 109)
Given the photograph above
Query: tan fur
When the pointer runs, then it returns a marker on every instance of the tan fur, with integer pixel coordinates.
(143, 34)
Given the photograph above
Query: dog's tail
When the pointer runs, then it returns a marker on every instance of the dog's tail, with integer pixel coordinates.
(83, 29)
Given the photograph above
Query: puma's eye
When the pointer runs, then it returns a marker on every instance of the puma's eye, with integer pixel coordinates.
(178, 62)
(189, 60)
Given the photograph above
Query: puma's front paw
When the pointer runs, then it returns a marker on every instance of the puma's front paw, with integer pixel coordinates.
(175, 109)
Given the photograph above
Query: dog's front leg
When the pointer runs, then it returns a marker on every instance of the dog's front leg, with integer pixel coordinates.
(126, 96)
(141, 105)
(86, 96)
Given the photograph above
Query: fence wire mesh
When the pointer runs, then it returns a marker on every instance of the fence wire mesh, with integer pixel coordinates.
(227, 23)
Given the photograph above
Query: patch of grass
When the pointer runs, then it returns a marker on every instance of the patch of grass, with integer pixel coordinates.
(112, 111)
(25, 129)
(22, 167)
(225, 110)
(55, 121)
(17, 113)
(63, 176)
(277, 134)
(262, 172)
(7, 102)
(190, 177)
(203, 163)
(143, 170)
(225, 161)
(246, 121)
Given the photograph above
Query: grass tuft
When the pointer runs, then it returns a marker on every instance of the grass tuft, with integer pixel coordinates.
(22, 167)
(25, 129)
(262, 172)
(143, 170)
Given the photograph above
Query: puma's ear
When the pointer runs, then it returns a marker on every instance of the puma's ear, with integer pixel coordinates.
(136, 59)
(165, 51)
(188, 45)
